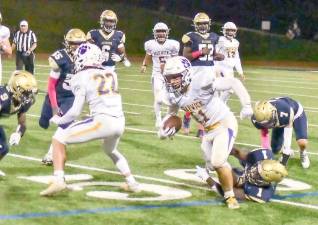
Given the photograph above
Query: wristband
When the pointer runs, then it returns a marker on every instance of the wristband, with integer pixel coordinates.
(196, 54)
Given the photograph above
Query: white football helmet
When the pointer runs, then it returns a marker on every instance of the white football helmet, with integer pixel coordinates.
(161, 32)
(87, 55)
(229, 30)
(174, 68)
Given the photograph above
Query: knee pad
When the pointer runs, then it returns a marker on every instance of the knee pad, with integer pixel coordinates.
(219, 164)
(59, 135)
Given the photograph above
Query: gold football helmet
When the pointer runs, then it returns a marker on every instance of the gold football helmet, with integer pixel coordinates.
(108, 20)
(202, 22)
(272, 171)
(265, 113)
(73, 38)
(23, 87)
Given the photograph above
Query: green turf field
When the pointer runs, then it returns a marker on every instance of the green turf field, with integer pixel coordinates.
(149, 158)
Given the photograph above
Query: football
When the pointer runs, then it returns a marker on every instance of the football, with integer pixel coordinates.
(173, 121)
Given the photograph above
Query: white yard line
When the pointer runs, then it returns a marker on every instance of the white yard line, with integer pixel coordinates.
(90, 168)
(303, 205)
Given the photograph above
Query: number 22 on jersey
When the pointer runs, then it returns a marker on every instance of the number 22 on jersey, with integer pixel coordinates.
(105, 84)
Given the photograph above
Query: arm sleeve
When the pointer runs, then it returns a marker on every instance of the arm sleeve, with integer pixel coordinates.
(226, 83)
(51, 90)
(147, 48)
(238, 65)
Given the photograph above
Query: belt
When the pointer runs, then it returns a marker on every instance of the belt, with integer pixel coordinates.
(212, 127)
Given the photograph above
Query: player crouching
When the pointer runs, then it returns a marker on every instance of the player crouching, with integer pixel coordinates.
(100, 90)
(257, 182)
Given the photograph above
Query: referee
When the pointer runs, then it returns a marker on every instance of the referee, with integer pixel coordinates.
(25, 42)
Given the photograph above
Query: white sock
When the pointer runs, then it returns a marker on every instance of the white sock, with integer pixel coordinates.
(130, 179)
(122, 166)
(228, 194)
(59, 175)
(50, 151)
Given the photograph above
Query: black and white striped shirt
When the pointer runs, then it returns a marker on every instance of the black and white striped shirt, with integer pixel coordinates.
(24, 41)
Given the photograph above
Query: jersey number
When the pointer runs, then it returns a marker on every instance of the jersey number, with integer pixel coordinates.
(105, 83)
(105, 50)
(66, 83)
(57, 55)
(206, 57)
(4, 96)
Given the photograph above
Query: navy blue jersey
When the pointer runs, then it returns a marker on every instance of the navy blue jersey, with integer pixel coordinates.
(198, 41)
(284, 105)
(6, 103)
(66, 65)
(258, 155)
(109, 44)
(252, 191)
(258, 194)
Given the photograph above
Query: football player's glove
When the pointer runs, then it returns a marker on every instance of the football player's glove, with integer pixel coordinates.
(246, 112)
(116, 58)
(15, 138)
(55, 119)
(163, 133)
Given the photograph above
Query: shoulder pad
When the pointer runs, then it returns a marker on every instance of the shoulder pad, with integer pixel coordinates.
(53, 64)
(185, 38)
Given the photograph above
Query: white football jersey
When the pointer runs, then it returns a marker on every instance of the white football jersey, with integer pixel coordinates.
(100, 89)
(161, 52)
(199, 100)
(229, 48)
(4, 35)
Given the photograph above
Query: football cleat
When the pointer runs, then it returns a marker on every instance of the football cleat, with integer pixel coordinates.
(47, 160)
(232, 203)
(131, 187)
(2, 174)
(54, 188)
(304, 159)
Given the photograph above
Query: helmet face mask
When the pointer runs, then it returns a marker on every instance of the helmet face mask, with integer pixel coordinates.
(160, 32)
(202, 27)
(229, 30)
(73, 38)
(87, 55)
(23, 87)
(202, 23)
(177, 74)
(108, 21)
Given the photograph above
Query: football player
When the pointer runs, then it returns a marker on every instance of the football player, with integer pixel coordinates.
(228, 46)
(199, 48)
(110, 41)
(5, 47)
(197, 97)
(16, 98)
(257, 182)
(282, 115)
(98, 87)
(159, 49)
(59, 98)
